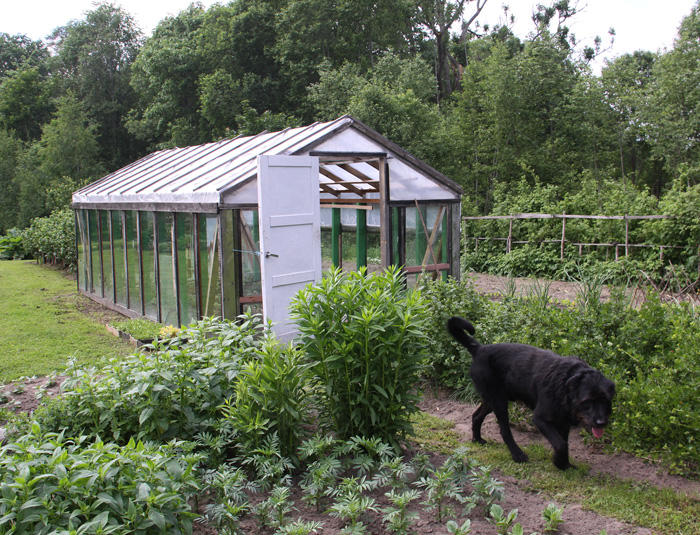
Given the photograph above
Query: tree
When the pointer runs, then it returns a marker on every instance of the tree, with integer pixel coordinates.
(25, 102)
(65, 159)
(10, 149)
(94, 58)
(669, 111)
(165, 75)
(439, 17)
(18, 51)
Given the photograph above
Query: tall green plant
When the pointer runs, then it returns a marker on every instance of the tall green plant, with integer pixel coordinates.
(365, 339)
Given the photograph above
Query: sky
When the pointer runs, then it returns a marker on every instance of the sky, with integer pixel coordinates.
(639, 24)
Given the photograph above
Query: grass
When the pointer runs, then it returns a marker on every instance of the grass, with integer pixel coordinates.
(662, 510)
(41, 325)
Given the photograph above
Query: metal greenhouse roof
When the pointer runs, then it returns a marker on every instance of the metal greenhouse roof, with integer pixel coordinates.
(197, 178)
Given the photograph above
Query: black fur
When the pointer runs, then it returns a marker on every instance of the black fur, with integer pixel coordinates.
(562, 392)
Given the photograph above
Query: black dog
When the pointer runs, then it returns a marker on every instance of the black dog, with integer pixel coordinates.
(562, 392)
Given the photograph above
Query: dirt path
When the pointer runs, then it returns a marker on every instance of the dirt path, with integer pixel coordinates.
(530, 504)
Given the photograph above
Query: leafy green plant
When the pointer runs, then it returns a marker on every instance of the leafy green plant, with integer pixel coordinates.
(501, 520)
(552, 518)
(455, 529)
(350, 503)
(50, 481)
(273, 510)
(446, 359)
(364, 337)
(12, 245)
(271, 397)
(486, 489)
(176, 390)
(231, 488)
(440, 488)
(271, 468)
(300, 527)
(397, 517)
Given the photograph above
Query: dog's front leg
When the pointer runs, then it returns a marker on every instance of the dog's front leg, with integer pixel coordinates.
(558, 437)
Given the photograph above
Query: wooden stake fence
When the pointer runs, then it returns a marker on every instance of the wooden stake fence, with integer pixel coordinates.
(626, 218)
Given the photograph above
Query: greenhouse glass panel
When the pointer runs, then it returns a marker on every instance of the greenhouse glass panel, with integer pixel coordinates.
(83, 250)
(107, 255)
(119, 267)
(250, 258)
(132, 260)
(186, 266)
(166, 266)
(148, 258)
(209, 264)
(95, 253)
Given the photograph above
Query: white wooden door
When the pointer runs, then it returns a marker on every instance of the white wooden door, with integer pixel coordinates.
(290, 238)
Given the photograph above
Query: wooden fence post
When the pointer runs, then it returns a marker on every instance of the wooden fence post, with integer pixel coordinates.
(627, 235)
(563, 233)
(510, 235)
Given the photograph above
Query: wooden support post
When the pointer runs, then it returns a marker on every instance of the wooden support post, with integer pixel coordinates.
(563, 234)
(510, 235)
(627, 235)
(361, 229)
(336, 247)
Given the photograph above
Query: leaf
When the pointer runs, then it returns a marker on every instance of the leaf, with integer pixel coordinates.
(145, 415)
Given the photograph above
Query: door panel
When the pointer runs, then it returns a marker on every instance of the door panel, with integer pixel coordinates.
(290, 240)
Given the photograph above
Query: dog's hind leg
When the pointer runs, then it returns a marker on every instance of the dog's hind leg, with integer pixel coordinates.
(477, 419)
(500, 409)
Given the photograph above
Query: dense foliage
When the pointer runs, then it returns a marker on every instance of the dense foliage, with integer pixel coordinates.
(174, 392)
(52, 239)
(493, 111)
(53, 483)
(649, 352)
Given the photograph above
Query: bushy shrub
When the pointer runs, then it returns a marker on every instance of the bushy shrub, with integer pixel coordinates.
(53, 484)
(271, 397)
(12, 246)
(448, 361)
(175, 390)
(52, 238)
(365, 339)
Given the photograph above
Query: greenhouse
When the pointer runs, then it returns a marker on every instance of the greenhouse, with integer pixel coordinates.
(244, 223)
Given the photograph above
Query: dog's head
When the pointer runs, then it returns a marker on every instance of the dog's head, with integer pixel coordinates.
(591, 396)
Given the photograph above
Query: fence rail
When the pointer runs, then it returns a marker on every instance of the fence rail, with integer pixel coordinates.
(564, 216)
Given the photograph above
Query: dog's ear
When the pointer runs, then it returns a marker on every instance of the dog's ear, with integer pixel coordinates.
(572, 383)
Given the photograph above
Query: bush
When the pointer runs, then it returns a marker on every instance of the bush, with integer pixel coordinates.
(12, 246)
(271, 397)
(54, 484)
(448, 361)
(175, 390)
(52, 239)
(366, 341)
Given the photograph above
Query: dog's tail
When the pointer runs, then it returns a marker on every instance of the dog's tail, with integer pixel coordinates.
(459, 327)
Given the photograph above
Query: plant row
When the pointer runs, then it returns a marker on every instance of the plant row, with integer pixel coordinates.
(649, 350)
(49, 239)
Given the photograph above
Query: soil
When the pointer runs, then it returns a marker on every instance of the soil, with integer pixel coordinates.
(518, 493)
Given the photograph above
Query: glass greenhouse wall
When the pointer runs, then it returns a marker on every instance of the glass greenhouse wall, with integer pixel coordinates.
(159, 265)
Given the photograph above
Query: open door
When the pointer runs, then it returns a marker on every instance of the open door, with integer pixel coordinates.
(290, 238)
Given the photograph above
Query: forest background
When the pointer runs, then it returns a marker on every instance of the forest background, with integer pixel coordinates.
(522, 124)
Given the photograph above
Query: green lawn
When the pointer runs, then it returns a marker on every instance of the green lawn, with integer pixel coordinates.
(41, 323)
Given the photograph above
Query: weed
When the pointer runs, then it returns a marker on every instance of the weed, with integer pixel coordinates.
(552, 517)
